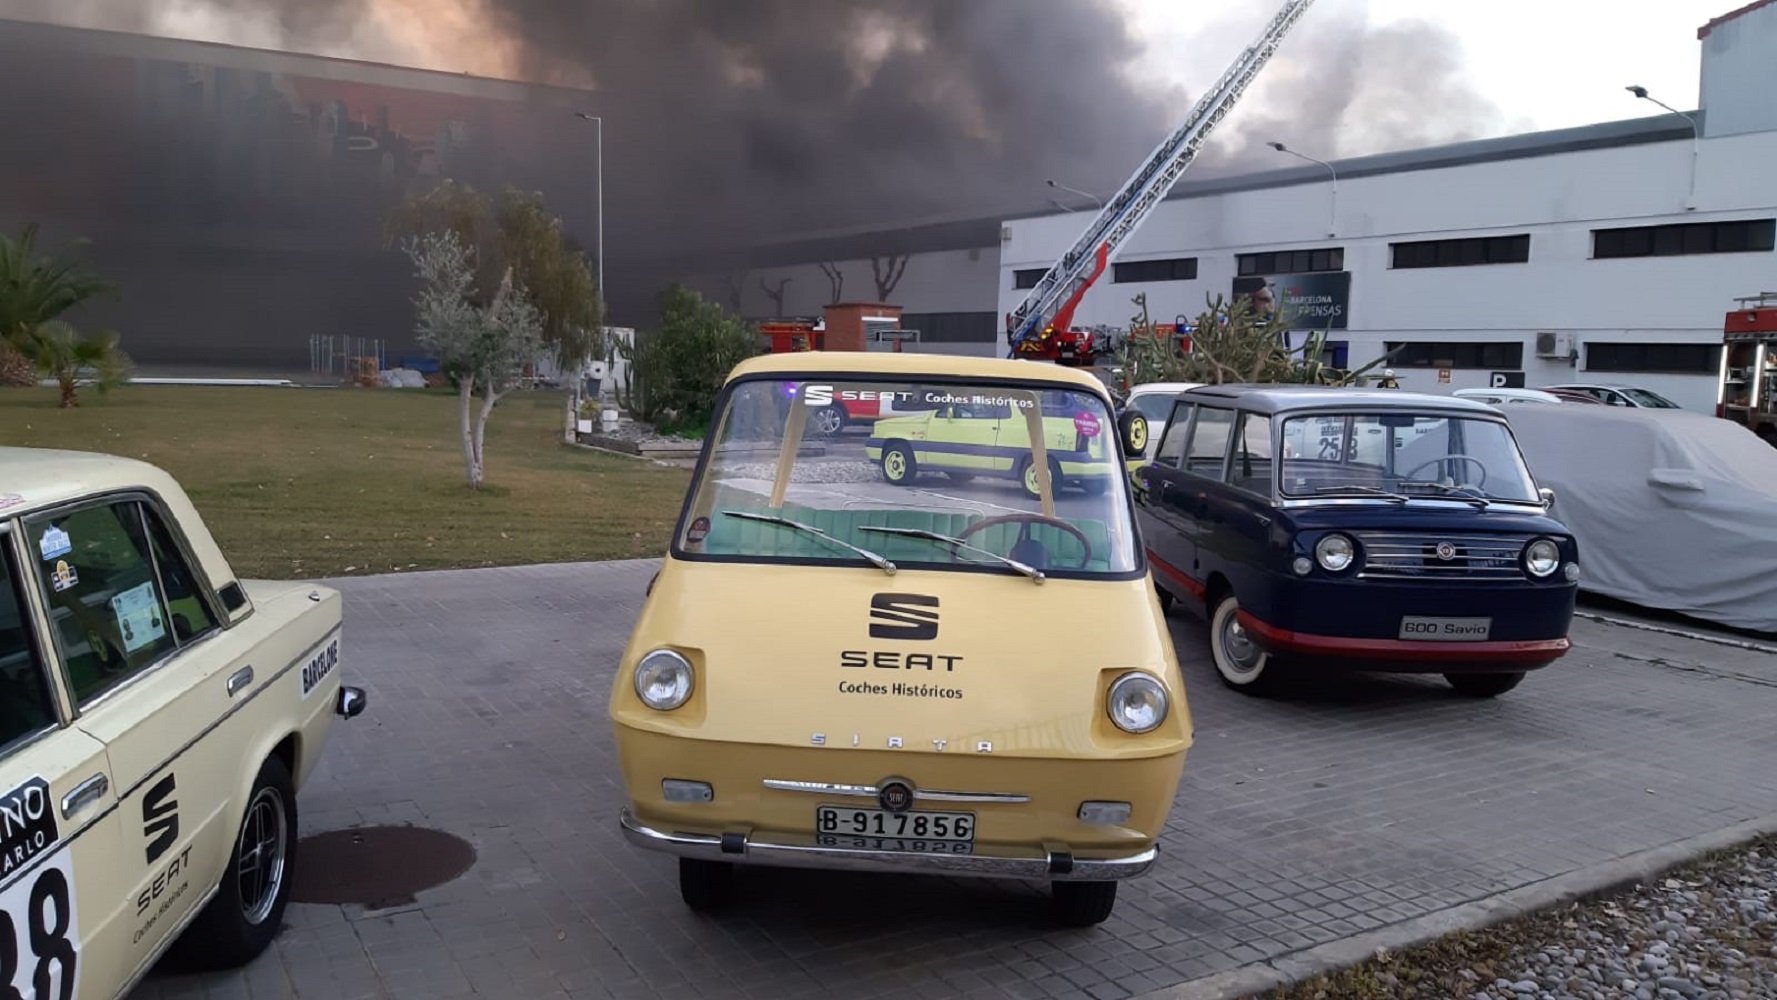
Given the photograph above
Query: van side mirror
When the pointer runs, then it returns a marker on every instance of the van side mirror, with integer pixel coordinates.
(1548, 497)
(1132, 427)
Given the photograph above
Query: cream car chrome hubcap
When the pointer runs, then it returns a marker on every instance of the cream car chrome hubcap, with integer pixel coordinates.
(262, 851)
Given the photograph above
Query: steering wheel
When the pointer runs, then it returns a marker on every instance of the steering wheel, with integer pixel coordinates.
(1027, 520)
(1469, 459)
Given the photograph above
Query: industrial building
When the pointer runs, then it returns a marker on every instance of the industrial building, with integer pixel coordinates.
(1606, 253)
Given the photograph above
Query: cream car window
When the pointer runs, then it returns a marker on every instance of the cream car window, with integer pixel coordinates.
(25, 706)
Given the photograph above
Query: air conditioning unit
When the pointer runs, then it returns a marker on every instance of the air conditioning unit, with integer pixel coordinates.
(1550, 344)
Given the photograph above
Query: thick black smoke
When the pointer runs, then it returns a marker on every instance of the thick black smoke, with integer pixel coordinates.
(731, 120)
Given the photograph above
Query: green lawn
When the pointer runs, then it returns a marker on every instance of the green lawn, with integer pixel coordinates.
(299, 483)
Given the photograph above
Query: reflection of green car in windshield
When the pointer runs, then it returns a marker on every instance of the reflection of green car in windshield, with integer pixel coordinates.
(990, 436)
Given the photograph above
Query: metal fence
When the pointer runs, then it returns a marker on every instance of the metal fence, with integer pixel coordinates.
(345, 356)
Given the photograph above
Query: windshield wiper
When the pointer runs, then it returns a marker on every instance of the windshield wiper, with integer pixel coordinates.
(875, 560)
(1460, 492)
(957, 543)
(1365, 491)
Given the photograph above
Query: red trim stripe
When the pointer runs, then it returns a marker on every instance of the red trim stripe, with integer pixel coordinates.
(1529, 651)
(1177, 576)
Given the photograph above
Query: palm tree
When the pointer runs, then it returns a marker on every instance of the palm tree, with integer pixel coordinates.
(34, 290)
(61, 352)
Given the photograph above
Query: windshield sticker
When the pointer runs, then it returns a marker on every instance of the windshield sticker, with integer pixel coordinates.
(138, 617)
(699, 530)
(55, 543)
(62, 576)
(1086, 424)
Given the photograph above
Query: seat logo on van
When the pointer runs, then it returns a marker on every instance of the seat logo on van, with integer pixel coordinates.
(911, 617)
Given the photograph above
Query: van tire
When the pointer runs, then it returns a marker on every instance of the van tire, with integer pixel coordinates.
(705, 885)
(1483, 685)
(898, 464)
(1027, 478)
(1096, 486)
(1239, 663)
(1082, 904)
(224, 935)
(1166, 599)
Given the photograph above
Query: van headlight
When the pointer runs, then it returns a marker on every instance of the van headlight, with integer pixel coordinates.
(1542, 557)
(1335, 552)
(663, 680)
(1137, 702)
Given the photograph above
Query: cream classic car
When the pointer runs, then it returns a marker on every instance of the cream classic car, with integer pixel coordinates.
(157, 716)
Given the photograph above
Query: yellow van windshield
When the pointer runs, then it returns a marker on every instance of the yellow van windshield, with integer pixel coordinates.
(1013, 477)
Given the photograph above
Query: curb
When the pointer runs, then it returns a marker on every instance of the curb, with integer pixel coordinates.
(1581, 884)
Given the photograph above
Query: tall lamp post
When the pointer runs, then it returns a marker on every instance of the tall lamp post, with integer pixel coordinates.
(1333, 202)
(1690, 198)
(600, 122)
(1096, 200)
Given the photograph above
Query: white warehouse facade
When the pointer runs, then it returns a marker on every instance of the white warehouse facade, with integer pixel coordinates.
(1608, 253)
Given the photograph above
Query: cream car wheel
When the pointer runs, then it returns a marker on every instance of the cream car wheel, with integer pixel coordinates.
(1239, 661)
(248, 909)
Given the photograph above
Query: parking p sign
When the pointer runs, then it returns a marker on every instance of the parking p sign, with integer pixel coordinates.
(1506, 380)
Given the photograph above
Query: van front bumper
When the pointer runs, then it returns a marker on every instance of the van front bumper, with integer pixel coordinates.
(1048, 862)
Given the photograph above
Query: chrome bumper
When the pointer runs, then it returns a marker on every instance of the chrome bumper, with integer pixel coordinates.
(1050, 862)
(351, 701)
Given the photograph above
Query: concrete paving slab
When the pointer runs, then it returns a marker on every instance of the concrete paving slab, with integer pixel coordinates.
(1349, 811)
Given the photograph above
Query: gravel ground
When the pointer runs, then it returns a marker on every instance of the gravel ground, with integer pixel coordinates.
(1708, 930)
(842, 471)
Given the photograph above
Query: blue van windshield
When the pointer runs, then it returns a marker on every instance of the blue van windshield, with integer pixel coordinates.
(1402, 453)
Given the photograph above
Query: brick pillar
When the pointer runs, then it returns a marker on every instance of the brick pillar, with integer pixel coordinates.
(845, 323)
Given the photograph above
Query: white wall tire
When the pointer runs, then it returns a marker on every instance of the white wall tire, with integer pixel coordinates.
(1239, 661)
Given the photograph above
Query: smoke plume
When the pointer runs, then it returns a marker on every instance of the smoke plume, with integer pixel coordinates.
(731, 120)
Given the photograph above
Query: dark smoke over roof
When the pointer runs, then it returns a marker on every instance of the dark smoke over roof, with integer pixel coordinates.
(734, 120)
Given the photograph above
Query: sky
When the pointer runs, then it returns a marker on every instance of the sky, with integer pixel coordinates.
(1543, 64)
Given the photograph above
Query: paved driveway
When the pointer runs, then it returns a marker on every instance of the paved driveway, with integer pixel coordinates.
(1300, 821)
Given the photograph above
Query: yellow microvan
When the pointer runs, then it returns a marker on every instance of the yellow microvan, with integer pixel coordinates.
(947, 676)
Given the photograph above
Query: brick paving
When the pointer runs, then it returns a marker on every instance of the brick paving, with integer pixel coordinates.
(1338, 809)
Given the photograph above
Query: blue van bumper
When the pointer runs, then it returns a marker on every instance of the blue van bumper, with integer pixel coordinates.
(1363, 621)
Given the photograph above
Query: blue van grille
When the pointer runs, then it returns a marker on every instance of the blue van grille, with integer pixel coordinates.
(1416, 556)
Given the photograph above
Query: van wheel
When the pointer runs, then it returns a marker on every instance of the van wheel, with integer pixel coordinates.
(1483, 685)
(1028, 476)
(1239, 661)
(1082, 904)
(248, 908)
(1095, 486)
(705, 885)
(828, 420)
(898, 466)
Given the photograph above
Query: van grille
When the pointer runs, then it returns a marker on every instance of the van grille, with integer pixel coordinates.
(1411, 556)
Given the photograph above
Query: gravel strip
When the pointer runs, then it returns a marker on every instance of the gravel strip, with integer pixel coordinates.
(1708, 930)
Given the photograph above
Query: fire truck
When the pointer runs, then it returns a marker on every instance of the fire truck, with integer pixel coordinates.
(1749, 366)
(1041, 327)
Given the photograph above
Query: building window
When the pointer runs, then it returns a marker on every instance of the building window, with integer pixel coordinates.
(1687, 359)
(1736, 236)
(1171, 269)
(953, 327)
(1292, 261)
(1028, 277)
(1462, 252)
(1503, 355)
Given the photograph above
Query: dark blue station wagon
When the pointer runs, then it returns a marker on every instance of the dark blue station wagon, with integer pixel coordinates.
(1373, 530)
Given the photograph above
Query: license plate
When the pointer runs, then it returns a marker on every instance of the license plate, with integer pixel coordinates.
(844, 821)
(895, 844)
(1446, 629)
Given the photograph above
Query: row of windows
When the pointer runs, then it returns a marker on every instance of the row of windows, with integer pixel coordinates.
(953, 327)
(1732, 236)
(1601, 356)
(121, 598)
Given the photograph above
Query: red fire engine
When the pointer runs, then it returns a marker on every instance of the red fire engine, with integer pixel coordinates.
(1749, 366)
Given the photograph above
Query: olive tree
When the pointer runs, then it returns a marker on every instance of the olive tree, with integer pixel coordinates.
(1230, 342)
(486, 348)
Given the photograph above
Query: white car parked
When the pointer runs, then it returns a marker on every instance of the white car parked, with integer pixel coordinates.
(1153, 400)
(1500, 397)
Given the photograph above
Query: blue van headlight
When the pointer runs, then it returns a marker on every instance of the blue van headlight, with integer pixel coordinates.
(1542, 557)
(1335, 552)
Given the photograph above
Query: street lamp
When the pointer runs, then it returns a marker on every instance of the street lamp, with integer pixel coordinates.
(601, 198)
(1333, 202)
(1063, 187)
(1690, 198)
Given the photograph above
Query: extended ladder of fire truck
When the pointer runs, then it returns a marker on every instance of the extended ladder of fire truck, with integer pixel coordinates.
(1049, 308)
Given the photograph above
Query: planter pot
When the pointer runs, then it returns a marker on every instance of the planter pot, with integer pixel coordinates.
(607, 420)
(583, 426)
